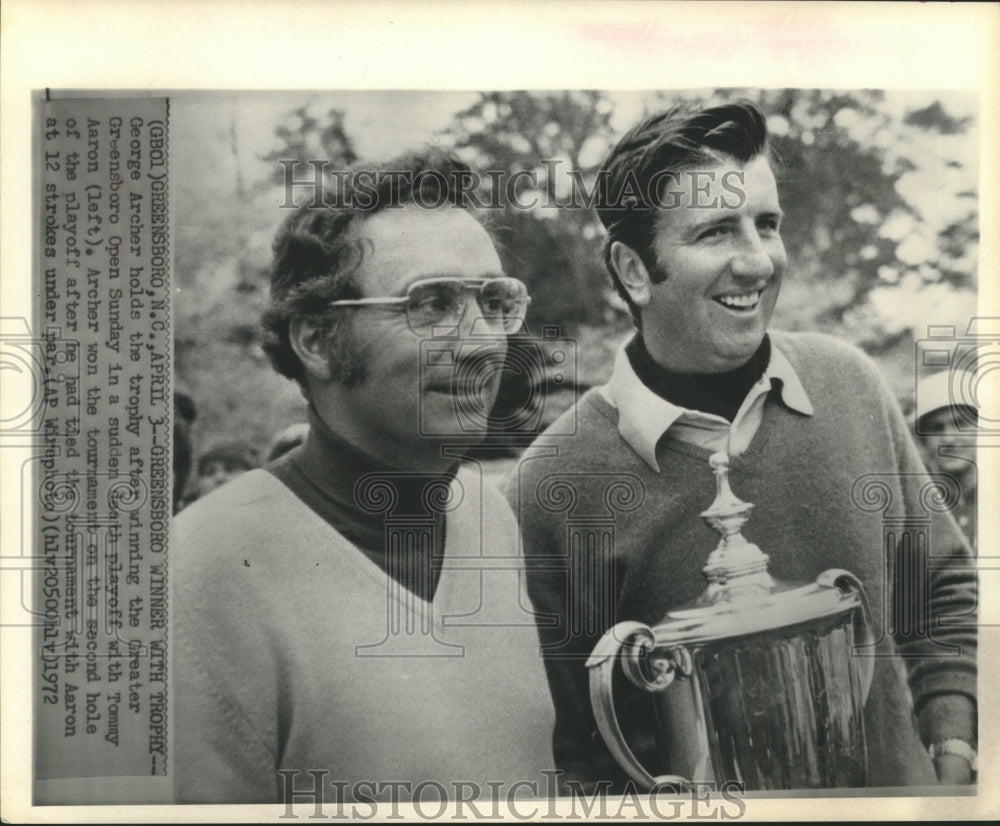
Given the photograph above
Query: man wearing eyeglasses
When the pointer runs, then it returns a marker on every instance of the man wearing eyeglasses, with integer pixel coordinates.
(694, 248)
(330, 629)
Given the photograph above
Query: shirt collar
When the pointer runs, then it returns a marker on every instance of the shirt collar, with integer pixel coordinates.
(643, 416)
(793, 394)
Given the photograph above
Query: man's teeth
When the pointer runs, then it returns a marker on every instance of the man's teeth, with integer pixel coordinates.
(742, 302)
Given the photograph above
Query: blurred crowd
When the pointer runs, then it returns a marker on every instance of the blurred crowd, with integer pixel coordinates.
(199, 471)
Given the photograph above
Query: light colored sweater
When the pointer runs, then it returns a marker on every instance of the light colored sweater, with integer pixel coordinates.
(279, 644)
(829, 491)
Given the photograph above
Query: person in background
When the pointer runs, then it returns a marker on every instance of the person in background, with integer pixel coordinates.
(222, 462)
(945, 428)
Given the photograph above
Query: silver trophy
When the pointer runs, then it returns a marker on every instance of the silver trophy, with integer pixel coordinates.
(756, 681)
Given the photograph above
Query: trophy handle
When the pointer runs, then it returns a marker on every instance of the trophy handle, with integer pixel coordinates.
(601, 664)
(864, 636)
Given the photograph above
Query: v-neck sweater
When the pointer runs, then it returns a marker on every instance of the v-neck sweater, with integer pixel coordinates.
(331, 476)
(293, 650)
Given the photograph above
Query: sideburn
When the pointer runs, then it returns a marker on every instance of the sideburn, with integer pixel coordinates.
(347, 355)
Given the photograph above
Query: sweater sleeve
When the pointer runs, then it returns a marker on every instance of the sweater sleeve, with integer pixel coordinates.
(936, 585)
(932, 570)
(223, 751)
(219, 753)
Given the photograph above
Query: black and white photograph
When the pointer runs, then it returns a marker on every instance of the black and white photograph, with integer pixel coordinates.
(383, 441)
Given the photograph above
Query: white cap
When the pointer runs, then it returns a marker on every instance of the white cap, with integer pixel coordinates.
(941, 390)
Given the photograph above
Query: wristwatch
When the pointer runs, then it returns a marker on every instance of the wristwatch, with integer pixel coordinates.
(956, 746)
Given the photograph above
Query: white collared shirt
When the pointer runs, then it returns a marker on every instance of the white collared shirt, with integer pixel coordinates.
(643, 416)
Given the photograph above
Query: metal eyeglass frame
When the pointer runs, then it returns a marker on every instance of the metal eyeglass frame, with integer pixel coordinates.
(473, 285)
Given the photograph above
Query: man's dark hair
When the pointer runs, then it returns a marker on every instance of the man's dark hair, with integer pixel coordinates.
(679, 139)
(315, 260)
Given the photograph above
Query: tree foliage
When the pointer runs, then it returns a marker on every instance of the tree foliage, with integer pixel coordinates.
(304, 135)
(536, 140)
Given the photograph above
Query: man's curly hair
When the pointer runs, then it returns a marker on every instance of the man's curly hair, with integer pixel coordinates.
(316, 258)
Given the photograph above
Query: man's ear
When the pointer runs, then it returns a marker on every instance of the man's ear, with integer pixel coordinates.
(631, 272)
(310, 344)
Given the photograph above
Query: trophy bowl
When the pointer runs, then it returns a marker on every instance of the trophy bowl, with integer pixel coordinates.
(756, 681)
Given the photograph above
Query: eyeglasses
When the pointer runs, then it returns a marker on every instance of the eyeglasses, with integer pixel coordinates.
(441, 302)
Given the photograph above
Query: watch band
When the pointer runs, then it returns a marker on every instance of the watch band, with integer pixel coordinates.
(958, 747)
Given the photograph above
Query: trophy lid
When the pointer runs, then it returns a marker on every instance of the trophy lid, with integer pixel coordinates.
(741, 596)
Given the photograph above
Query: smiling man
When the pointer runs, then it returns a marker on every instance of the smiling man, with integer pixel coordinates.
(328, 633)
(694, 248)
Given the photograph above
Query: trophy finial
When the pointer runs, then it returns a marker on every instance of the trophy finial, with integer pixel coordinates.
(736, 566)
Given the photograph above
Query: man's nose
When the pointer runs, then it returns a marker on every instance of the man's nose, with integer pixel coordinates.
(753, 259)
(472, 321)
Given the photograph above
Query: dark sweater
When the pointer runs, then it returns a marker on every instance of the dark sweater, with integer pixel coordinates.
(806, 476)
